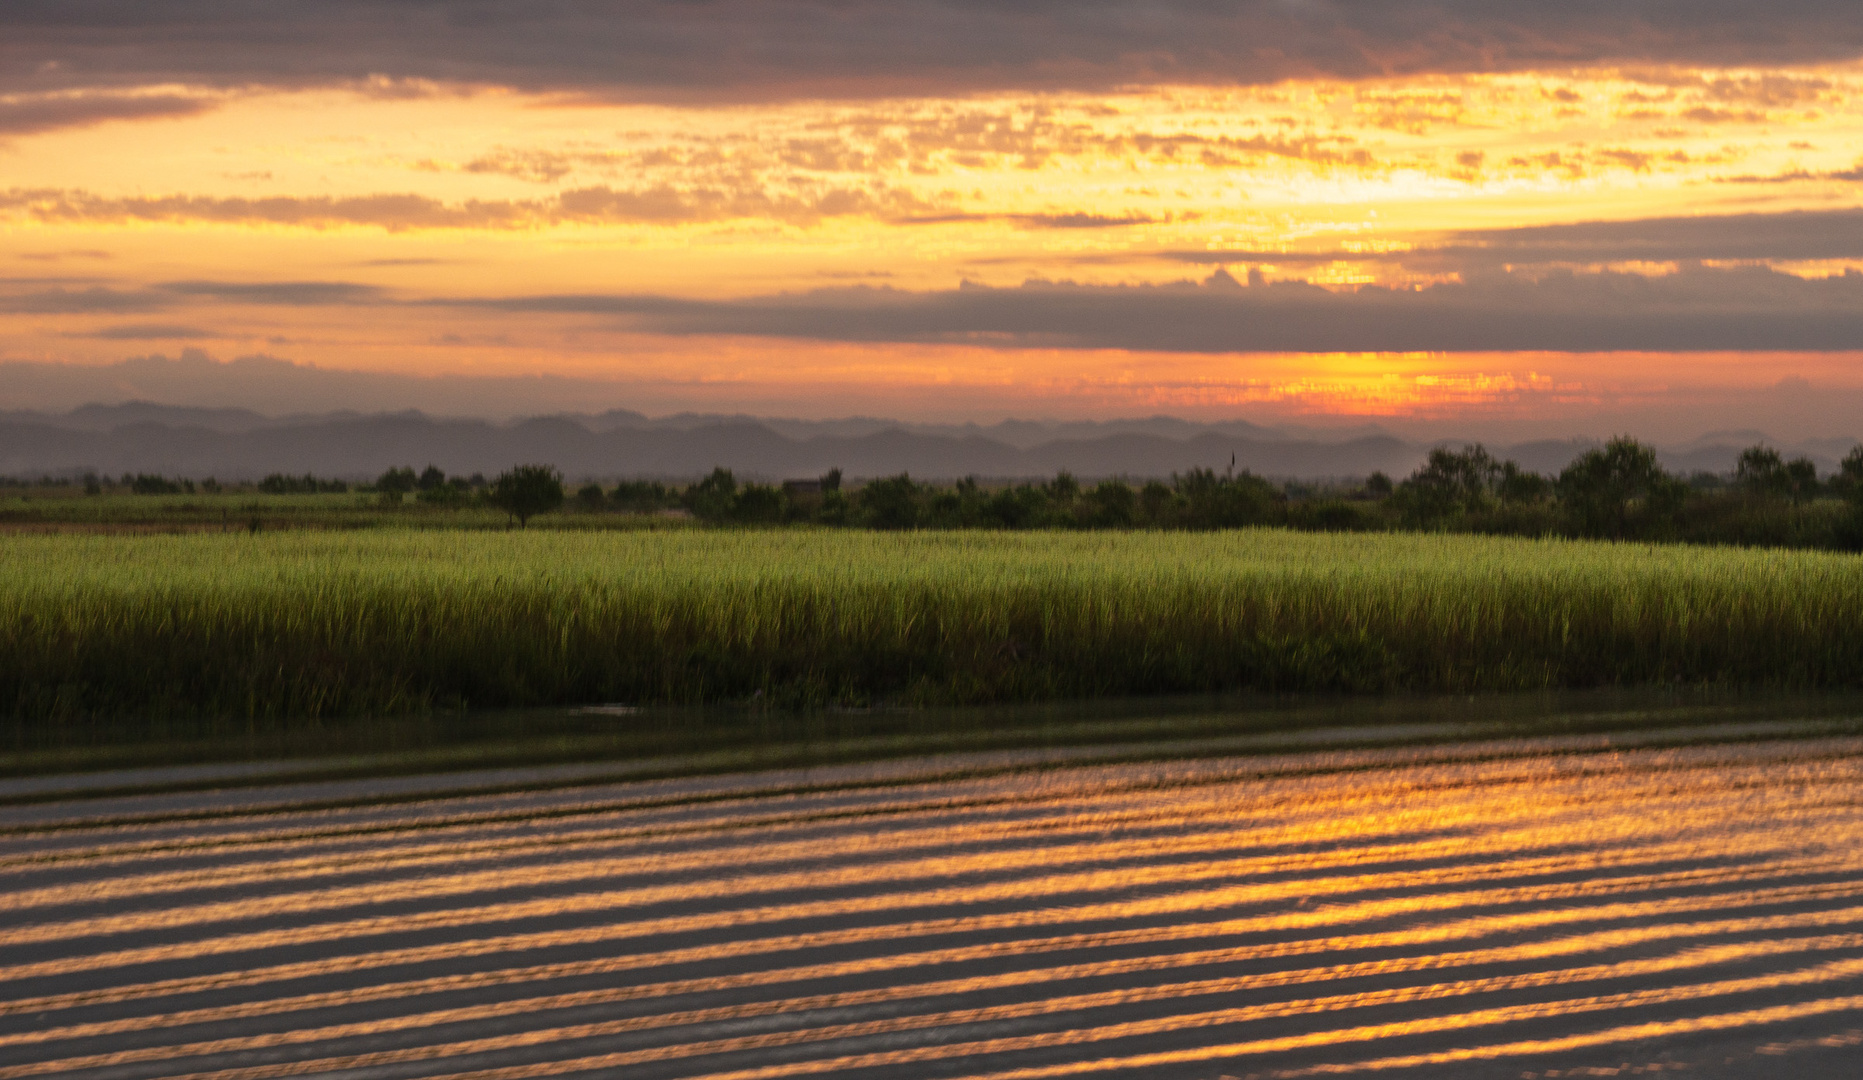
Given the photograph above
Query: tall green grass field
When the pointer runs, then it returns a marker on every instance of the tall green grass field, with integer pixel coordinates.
(303, 624)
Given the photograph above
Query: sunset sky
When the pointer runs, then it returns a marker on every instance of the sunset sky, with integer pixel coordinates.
(1537, 216)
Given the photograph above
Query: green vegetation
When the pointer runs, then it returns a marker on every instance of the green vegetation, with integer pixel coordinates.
(527, 491)
(322, 623)
(1615, 492)
(280, 484)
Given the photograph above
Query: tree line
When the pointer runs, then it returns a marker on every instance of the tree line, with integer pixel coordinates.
(1618, 491)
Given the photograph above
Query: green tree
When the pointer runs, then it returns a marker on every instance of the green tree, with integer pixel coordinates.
(148, 484)
(1848, 485)
(1763, 473)
(1449, 484)
(1803, 477)
(1209, 501)
(643, 496)
(1018, 507)
(713, 498)
(1112, 504)
(834, 506)
(451, 493)
(526, 491)
(892, 503)
(758, 504)
(397, 481)
(1519, 487)
(1157, 502)
(1062, 490)
(1604, 492)
(1849, 479)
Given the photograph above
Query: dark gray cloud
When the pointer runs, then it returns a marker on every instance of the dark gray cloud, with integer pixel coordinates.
(151, 332)
(1823, 234)
(1791, 236)
(753, 49)
(35, 299)
(1796, 176)
(54, 296)
(292, 293)
(34, 114)
(1751, 308)
(1516, 292)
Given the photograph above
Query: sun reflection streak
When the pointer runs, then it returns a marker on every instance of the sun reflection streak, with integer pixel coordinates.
(1485, 906)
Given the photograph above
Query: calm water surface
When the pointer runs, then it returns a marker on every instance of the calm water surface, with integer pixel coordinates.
(1555, 906)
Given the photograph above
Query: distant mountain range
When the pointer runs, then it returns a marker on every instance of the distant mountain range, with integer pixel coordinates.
(237, 444)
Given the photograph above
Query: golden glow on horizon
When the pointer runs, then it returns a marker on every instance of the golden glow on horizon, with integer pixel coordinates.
(436, 192)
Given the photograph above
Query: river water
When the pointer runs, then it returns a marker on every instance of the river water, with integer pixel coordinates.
(1668, 902)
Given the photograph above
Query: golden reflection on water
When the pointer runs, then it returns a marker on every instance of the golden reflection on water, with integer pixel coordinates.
(1516, 904)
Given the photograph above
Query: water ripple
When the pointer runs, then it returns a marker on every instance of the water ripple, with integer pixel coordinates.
(1529, 909)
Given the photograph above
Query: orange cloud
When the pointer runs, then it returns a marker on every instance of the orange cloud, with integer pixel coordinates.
(601, 205)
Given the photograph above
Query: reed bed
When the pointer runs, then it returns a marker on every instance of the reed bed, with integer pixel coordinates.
(308, 624)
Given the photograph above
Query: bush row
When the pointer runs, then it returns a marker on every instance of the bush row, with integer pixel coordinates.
(1618, 491)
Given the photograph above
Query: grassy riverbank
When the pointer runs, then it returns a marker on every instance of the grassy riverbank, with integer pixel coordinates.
(394, 621)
